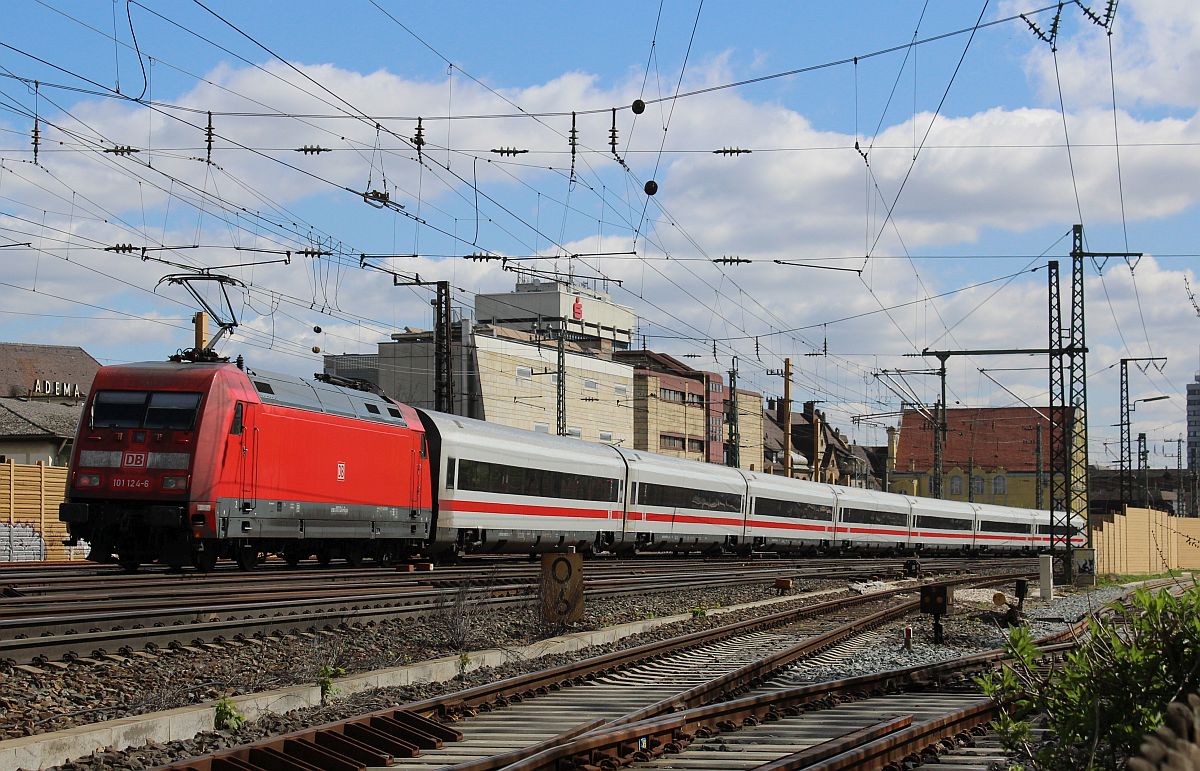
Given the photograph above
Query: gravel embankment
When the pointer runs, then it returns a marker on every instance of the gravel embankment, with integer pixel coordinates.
(186, 678)
(84, 693)
(973, 627)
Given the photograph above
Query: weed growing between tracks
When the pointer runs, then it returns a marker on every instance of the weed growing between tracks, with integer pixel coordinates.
(1110, 692)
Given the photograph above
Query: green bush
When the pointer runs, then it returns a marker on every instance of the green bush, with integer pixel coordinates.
(1110, 691)
(228, 716)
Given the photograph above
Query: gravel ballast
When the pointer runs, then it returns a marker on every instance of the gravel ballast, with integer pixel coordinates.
(190, 677)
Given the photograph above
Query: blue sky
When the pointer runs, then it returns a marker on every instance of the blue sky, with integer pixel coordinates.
(992, 187)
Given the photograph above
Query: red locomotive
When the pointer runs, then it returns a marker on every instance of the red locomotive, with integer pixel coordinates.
(186, 462)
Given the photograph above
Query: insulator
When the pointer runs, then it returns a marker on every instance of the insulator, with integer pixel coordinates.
(313, 149)
(419, 138)
(612, 133)
(208, 140)
(121, 248)
(508, 151)
(317, 252)
(731, 151)
(122, 150)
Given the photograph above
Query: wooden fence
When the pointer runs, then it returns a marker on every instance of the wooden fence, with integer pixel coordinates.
(1145, 541)
(29, 525)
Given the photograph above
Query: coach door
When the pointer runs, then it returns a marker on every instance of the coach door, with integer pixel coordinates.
(244, 433)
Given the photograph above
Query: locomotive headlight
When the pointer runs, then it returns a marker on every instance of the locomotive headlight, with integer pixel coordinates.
(174, 483)
(87, 480)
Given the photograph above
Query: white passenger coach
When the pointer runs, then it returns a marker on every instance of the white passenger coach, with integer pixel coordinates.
(504, 490)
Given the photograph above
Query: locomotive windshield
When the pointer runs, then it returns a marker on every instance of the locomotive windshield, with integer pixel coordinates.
(163, 410)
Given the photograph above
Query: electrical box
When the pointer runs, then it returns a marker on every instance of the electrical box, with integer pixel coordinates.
(935, 600)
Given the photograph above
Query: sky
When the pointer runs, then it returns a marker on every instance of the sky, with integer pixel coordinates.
(917, 162)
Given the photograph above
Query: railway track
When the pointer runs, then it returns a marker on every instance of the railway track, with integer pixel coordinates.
(495, 725)
(50, 617)
(896, 719)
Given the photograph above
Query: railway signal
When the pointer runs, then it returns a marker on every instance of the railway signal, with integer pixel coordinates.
(935, 601)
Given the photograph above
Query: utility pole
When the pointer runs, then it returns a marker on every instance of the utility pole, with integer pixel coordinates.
(443, 361)
(1037, 451)
(1126, 450)
(787, 418)
(971, 479)
(561, 385)
(941, 429)
(1143, 469)
(733, 456)
(785, 414)
(443, 325)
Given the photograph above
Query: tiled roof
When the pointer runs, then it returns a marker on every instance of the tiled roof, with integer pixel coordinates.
(22, 364)
(988, 437)
(20, 418)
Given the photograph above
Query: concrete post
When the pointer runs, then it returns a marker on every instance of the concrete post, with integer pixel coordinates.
(1046, 576)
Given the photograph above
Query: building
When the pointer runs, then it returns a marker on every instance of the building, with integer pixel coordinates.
(42, 388)
(1193, 423)
(505, 376)
(45, 371)
(505, 370)
(686, 412)
(588, 316)
(997, 455)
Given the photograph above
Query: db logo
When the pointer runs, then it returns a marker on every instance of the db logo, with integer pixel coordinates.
(341, 472)
(134, 460)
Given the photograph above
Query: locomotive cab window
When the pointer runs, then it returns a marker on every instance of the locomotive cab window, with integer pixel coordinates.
(168, 410)
(451, 464)
(172, 411)
(238, 426)
(118, 409)
(371, 408)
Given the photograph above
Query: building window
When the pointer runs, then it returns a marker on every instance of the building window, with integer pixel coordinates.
(695, 445)
(591, 385)
(696, 399)
(956, 485)
(999, 486)
(606, 436)
(977, 485)
(575, 431)
(670, 395)
(620, 389)
(554, 379)
(524, 373)
(541, 428)
(670, 442)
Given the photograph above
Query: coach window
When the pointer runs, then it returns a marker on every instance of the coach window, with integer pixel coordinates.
(956, 485)
(450, 464)
(872, 517)
(770, 507)
(1000, 526)
(942, 523)
(999, 486)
